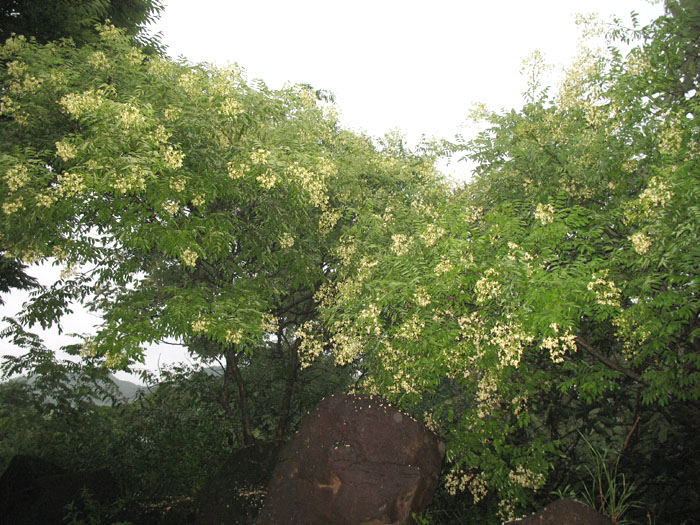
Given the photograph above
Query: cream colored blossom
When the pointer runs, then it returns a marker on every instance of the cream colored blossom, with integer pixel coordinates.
(14, 44)
(544, 213)
(9, 208)
(171, 207)
(641, 242)
(178, 184)
(267, 180)
(606, 292)
(110, 33)
(473, 214)
(234, 336)
(132, 180)
(401, 244)
(188, 82)
(345, 250)
(16, 68)
(657, 193)
(77, 104)
(268, 323)
(172, 113)
(189, 257)
(173, 158)
(443, 267)
(98, 60)
(559, 344)
(45, 200)
(69, 271)
(422, 297)
(57, 79)
(487, 287)
(432, 233)
(135, 57)
(70, 184)
(130, 116)
(328, 220)
(231, 108)
(88, 349)
(411, 329)
(65, 150)
(198, 200)
(8, 106)
(16, 177)
(260, 156)
(311, 345)
(526, 478)
(286, 240)
(201, 324)
(312, 183)
(236, 171)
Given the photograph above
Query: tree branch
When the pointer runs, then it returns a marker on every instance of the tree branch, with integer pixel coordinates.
(609, 362)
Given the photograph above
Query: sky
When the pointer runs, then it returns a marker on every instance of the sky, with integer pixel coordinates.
(413, 66)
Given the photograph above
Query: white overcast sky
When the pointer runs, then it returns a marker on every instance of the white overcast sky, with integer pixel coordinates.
(415, 66)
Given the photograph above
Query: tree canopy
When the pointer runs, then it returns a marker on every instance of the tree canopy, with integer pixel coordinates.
(185, 202)
(560, 284)
(549, 306)
(52, 20)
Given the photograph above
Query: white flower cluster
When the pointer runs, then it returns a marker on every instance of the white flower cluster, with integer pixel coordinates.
(327, 221)
(311, 346)
(16, 177)
(641, 242)
(172, 157)
(236, 171)
(558, 345)
(286, 240)
(400, 244)
(432, 234)
(606, 292)
(65, 150)
(544, 213)
(201, 324)
(77, 104)
(189, 257)
(487, 287)
(234, 336)
(422, 297)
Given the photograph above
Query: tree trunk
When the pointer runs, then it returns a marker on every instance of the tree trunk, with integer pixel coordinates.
(233, 372)
(289, 389)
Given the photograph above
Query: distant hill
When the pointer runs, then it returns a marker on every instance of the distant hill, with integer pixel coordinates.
(126, 388)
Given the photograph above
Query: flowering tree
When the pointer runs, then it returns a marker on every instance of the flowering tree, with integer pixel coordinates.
(558, 290)
(183, 201)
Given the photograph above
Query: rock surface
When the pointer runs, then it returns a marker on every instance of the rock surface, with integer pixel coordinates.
(355, 460)
(564, 512)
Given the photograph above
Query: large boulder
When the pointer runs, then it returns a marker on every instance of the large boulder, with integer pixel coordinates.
(564, 512)
(35, 491)
(355, 460)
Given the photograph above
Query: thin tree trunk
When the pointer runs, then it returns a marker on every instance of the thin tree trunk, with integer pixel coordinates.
(289, 389)
(234, 372)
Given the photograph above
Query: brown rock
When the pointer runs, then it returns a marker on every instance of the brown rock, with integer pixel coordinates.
(355, 460)
(564, 512)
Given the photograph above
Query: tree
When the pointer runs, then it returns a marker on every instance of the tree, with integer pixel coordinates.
(556, 292)
(49, 20)
(185, 202)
